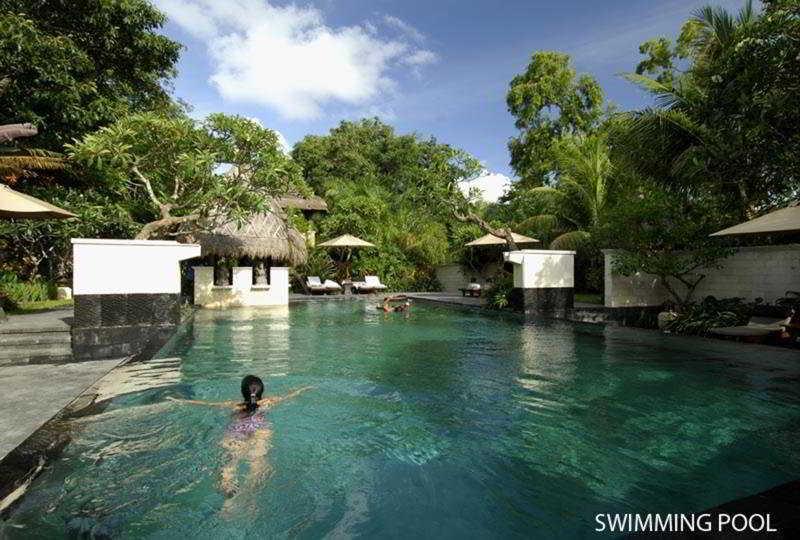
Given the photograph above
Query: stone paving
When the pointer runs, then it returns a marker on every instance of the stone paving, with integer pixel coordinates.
(33, 394)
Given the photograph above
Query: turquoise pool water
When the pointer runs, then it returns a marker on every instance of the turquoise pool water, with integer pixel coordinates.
(441, 424)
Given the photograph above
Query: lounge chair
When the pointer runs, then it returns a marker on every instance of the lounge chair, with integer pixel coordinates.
(316, 286)
(369, 285)
(756, 329)
(472, 289)
(332, 286)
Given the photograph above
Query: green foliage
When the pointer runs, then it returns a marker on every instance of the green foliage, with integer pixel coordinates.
(499, 295)
(389, 189)
(74, 66)
(728, 125)
(175, 164)
(700, 317)
(18, 292)
(549, 100)
(319, 263)
(665, 235)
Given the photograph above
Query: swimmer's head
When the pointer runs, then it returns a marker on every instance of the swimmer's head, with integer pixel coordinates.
(252, 389)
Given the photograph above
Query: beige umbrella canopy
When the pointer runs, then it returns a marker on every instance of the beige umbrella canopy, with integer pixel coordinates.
(779, 221)
(492, 240)
(14, 204)
(346, 241)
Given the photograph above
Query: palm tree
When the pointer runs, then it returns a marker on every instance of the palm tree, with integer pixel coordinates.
(579, 198)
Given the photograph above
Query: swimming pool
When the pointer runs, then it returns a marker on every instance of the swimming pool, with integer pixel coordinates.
(443, 424)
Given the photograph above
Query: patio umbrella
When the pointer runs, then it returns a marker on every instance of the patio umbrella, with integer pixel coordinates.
(346, 243)
(492, 240)
(778, 221)
(14, 204)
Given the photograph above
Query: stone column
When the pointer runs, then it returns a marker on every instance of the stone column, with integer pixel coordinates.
(545, 280)
(127, 295)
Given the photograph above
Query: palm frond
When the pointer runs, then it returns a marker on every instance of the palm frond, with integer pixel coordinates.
(541, 224)
(572, 240)
(22, 163)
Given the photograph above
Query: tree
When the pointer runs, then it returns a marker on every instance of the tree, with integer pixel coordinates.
(663, 234)
(730, 123)
(74, 66)
(549, 100)
(579, 199)
(397, 191)
(176, 165)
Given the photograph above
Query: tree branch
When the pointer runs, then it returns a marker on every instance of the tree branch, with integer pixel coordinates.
(504, 233)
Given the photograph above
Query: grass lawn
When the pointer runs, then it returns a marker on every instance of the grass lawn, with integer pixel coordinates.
(589, 298)
(33, 307)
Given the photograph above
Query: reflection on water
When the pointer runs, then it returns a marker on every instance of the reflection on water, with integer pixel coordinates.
(440, 424)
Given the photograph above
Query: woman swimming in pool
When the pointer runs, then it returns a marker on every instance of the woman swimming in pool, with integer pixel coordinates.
(249, 434)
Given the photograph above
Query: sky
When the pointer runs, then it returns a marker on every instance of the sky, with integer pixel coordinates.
(435, 68)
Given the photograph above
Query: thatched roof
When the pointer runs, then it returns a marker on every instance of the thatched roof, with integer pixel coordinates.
(313, 203)
(264, 235)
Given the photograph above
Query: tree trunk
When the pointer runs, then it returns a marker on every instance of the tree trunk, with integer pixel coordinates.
(483, 224)
(150, 230)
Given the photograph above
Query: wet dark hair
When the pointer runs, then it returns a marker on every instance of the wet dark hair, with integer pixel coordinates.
(252, 388)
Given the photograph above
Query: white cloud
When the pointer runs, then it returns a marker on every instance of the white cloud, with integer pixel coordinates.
(288, 58)
(491, 185)
(405, 28)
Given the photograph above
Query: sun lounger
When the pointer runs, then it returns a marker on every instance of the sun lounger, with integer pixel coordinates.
(472, 289)
(369, 285)
(332, 286)
(756, 328)
(316, 286)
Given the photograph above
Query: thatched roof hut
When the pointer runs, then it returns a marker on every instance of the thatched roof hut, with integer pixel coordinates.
(264, 236)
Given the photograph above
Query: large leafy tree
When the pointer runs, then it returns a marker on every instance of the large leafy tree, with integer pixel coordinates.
(188, 175)
(549, 100)
(393, 190)
(729, 123)
(71, 67)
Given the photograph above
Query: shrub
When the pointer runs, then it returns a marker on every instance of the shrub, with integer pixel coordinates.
(499, 295)
(20, 292)
(700, 317)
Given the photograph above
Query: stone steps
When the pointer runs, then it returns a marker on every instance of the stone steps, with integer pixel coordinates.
(42, 347)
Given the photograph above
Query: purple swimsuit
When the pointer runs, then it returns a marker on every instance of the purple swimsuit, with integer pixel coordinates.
(246, 424)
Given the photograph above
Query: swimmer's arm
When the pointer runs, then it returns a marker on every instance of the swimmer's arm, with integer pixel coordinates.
(222, 404)
(290, 395)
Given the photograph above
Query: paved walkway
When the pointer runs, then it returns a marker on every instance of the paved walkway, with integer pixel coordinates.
(46, 321)
(33, 394)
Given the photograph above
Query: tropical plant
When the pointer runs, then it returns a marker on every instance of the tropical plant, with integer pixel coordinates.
(660, 233)
(700, 317)
(499, 295)
(728, 124)
(580, 196)
(18, 292)
(177, 165)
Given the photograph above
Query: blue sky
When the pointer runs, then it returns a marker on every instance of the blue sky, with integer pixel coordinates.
(435, 68)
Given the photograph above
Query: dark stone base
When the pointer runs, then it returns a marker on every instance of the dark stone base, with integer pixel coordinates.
(554, 302)
(116, 325)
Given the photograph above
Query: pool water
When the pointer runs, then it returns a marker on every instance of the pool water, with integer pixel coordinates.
(436, 424)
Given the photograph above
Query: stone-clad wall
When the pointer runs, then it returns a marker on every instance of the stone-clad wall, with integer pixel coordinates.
(116, 325)
(127, 295)
(752, 272)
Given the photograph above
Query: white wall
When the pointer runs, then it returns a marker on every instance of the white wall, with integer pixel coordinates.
(128, 266)
(752, 272)
(241, 292)
(542, 268)
(452, 277)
